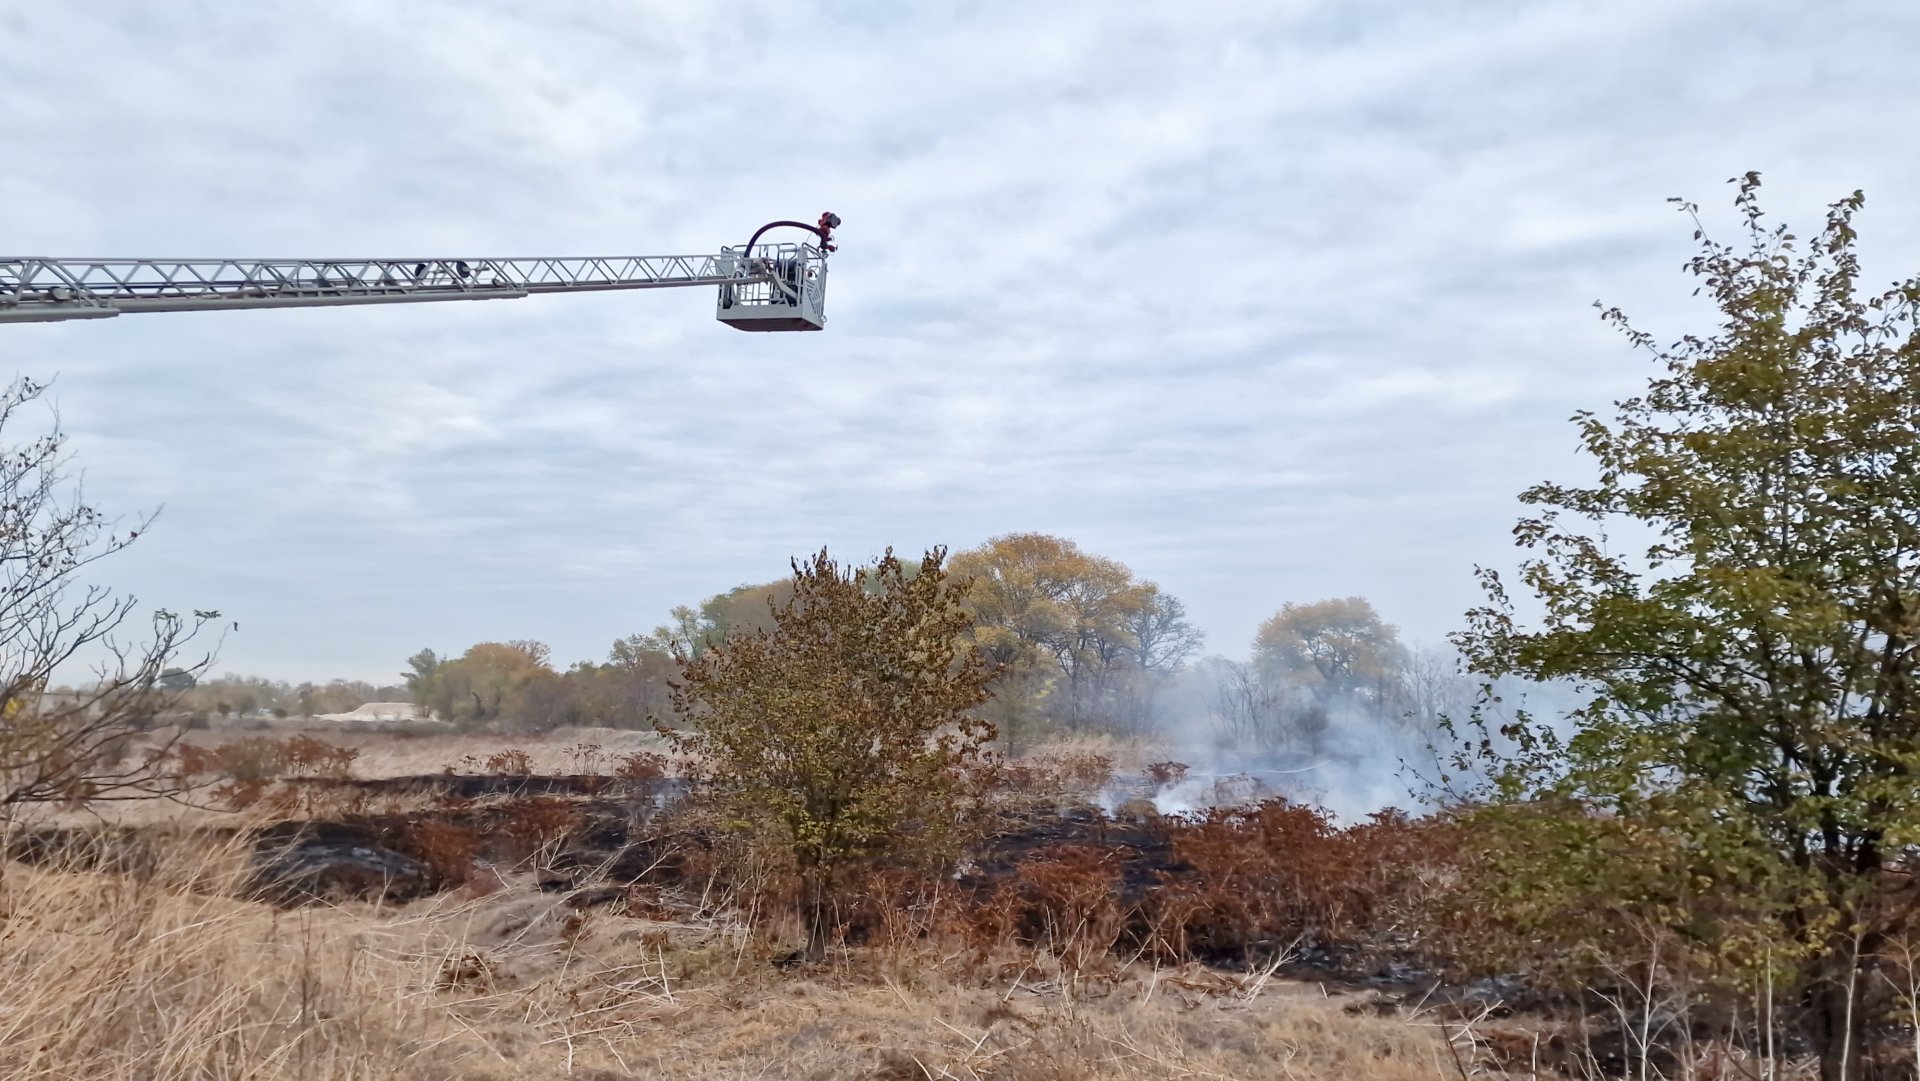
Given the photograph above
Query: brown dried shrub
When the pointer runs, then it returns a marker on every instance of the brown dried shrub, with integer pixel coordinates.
(239, 795)
(1260, 879)
(262, 758)
(511, 762)
(447, 848)
(191, 760)
(1021, 778)
(536, 823)
(643, 901)
(1165, 773)
(640, 766)
(1239, 886)
(1084, 773)
(1067, 901)
(306, 755)
(254, 759)
(468, 966)
(1052, 776)
(586, 757)
(892, 908)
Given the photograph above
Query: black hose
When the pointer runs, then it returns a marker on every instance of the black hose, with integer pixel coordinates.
(814, 229)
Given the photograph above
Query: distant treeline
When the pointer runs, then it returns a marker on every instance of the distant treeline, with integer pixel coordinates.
(237, 697)
(1083, 642)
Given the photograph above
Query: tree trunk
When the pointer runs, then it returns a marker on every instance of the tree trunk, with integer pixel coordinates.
(815, 914)
(1836, 1022)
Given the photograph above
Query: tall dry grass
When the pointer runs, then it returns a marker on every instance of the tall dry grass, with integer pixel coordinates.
(163, 974)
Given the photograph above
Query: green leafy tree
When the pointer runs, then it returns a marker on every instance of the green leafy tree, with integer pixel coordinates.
(1334, 648)
(1753, 667)
(1316, 666)
(844, 733)
(489, 681)
(630, 688)
(742, 608)
(425, 685)
(1084, 641)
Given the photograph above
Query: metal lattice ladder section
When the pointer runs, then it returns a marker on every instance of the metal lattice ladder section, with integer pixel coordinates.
(36, 289)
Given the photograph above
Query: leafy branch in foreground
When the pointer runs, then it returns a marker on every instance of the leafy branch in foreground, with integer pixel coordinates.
(1752, 670)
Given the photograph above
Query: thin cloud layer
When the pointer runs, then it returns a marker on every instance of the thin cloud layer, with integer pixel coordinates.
(1269, 301)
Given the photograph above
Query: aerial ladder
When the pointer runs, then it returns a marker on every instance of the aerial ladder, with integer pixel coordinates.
(770, 286)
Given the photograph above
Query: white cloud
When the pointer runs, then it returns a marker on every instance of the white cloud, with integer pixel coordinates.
(1271, 301)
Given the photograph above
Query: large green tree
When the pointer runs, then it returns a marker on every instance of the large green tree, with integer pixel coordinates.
(844, 732)
(1083, 640)
(1332, 648)
(1317, 666)
(628, 690)
(742, 608)
(490, 680)
(1752, 662)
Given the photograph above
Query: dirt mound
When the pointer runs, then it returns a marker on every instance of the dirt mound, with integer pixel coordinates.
(379, 712)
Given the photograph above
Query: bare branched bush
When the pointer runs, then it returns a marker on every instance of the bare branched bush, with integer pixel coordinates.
(75, 744)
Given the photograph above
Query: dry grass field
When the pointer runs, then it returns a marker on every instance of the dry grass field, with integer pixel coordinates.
(384, 752)
(509, 962)
(162, 974)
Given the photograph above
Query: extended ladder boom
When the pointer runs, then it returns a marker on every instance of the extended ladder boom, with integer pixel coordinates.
(762, 286)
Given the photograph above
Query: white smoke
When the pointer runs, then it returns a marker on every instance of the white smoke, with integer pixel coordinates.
(1347, 790)
(1188, 796)
(1357, 760)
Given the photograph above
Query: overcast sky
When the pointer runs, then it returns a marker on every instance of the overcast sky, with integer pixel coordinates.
(1270, 301)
